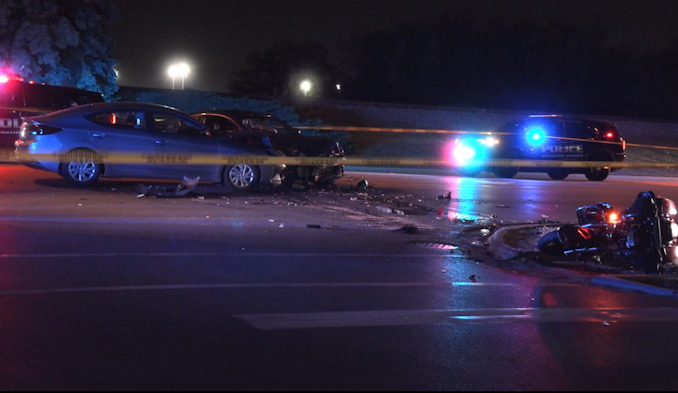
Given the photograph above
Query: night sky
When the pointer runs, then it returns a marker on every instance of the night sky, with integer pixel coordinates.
(215, 36)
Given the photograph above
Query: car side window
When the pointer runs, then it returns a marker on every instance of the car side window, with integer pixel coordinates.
(220, 125)
(169, 123)
(579, 130)
(120, 119)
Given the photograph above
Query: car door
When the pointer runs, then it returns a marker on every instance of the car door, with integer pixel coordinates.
(122, 137)
(552, 144)
(181, 141)
(577, 136)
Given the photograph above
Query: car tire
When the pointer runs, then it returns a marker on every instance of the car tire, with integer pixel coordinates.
(469, 172)
(242, 177)
(557, 174)
(81, 168)
(506, 172)
(597, 173)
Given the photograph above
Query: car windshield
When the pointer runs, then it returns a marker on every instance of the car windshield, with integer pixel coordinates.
(269, 125)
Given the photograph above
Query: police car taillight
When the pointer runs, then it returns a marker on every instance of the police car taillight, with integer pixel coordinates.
(610, 134)
(4, 78)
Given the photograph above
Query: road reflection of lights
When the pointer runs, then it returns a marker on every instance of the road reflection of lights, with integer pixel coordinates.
(461, 204)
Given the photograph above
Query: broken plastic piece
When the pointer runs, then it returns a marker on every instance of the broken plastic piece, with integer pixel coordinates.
(186, 186)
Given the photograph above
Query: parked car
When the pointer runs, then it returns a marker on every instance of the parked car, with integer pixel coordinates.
(19, 98)
(266, 130)
(77, 143)
(543, 137)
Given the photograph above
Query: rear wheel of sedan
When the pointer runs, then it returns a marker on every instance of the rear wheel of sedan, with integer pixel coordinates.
(81, 167)
(242, 177)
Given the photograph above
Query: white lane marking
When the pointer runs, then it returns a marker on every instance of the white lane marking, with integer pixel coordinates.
(604, 316)
(122, 288)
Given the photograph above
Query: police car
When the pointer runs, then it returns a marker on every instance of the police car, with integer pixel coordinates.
(19, 98)
(546, 142)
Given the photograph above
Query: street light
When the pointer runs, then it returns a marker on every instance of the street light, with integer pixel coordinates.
(305, 86)
(180, 70)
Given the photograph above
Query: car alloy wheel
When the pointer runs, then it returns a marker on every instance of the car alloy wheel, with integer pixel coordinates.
(242, 176)
(81, 167)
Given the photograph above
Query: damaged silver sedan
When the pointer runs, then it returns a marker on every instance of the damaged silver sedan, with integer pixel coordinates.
(77, 143)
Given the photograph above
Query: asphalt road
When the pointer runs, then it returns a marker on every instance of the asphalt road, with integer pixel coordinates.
(336, 289)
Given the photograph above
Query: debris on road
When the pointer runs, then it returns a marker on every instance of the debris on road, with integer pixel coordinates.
(185, 187)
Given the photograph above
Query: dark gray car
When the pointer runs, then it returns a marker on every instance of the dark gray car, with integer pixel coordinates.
(262, 129)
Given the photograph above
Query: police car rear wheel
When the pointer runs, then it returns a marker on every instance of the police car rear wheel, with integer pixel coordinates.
(469, 172)
(557, 174)
(505, 171)
(598, 173)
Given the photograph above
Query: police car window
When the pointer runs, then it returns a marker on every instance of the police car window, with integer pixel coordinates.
(578, 130)
(8, 96)
(557, 128)
(37, 96)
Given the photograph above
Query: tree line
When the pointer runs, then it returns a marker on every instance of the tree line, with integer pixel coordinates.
(460, 60)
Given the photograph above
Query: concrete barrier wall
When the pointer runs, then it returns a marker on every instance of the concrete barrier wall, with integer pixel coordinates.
(382, 115)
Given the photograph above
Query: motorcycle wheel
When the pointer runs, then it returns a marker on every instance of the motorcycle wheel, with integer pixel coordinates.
(653, 262)
(550, 244)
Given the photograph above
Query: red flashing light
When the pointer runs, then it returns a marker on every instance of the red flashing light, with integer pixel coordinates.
(609, 135)
(4, 78)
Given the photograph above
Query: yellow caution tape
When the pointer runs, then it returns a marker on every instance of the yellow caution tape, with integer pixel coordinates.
(199, 159)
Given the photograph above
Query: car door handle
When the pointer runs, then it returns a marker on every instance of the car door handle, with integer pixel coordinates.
(159, 142)
(98, 135)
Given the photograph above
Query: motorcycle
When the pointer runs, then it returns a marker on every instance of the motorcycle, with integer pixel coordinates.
(644, 236)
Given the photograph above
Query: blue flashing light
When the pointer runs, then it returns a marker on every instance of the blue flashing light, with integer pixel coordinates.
(535, 136)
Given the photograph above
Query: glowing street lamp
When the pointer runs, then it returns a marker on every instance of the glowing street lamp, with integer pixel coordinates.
(305, 86)
(180, 70)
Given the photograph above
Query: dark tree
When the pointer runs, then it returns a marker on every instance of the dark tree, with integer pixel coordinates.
(59, 42)
(280, 69)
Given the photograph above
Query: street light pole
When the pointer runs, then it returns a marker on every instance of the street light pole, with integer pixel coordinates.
(305, 86)
(178, 70)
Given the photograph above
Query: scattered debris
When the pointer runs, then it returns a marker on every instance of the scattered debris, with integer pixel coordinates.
(485, 232)
(313, 226)
(446, 196)
(473, 278)
(384, 209)
(409, 229)
(186, 186)
(504, 206)
(362, 184)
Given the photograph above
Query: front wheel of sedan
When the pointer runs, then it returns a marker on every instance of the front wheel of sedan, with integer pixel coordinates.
(242, 177)
(81, 168)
